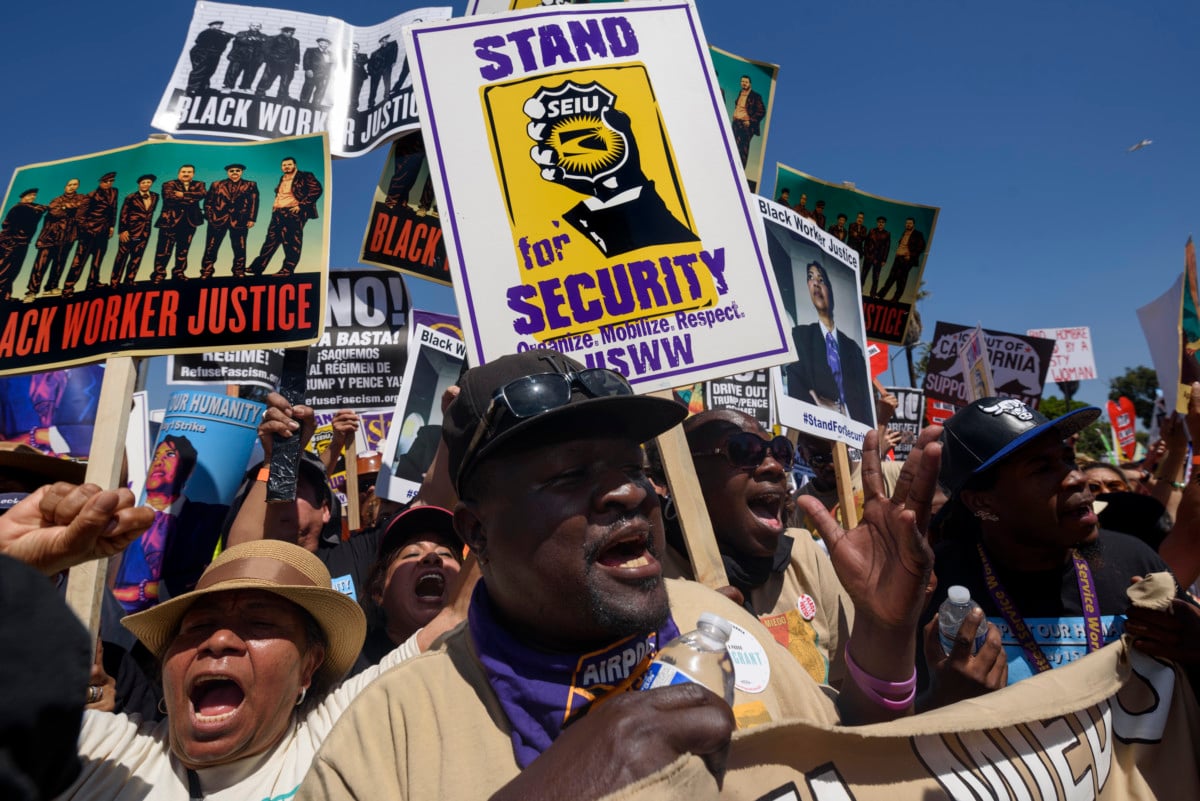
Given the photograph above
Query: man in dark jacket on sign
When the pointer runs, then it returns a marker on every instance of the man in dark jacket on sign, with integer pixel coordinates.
(296, 197)
(282, 54)
(231, 207)
(205, 55)
(96, 221)
(137, 217)
(177, 223)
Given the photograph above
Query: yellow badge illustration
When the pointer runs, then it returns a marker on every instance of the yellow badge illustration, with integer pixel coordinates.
(601, 227)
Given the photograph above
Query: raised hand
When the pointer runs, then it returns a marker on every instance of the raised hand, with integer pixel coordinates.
(885, 563)
(63, 524)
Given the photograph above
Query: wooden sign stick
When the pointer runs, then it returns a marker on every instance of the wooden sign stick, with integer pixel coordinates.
(350, 454)
(85, 583)
(845, 488)
(689, 504)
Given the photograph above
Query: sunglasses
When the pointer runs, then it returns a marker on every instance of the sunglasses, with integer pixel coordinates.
(532, 395)
(746, 450)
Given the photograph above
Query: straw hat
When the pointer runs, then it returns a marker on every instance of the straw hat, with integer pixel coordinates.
(279, 567)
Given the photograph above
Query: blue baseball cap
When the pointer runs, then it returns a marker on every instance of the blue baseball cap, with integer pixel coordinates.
(981, 435)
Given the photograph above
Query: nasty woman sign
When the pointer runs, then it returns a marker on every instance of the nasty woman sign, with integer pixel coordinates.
(617, 228)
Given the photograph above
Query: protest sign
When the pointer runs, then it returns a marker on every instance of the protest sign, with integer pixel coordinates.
(498, 6)
(748, 95)
(1073, 359)
(1189, 366)
(1019, 364)
(1123, 418)
(908, 419)
(257, 368)
(360, 358)
(1113, 726)
(199, 459)
(435, 363)
(974, 363)
(938, 412)
(891, 254)
(191, 201)
(619, 229)
(877, 356)
(53, 411)
(748, 393)
(264, 73)
(827, 391)
(1160, 321)
(404, 231)
(361, 349)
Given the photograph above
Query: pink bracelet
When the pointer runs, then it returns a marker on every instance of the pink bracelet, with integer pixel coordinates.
(873, 687)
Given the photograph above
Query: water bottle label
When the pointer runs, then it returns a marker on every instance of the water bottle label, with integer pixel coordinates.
(751, 668)
(660, 674)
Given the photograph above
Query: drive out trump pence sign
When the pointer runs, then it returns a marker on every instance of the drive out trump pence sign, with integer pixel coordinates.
(592, 197)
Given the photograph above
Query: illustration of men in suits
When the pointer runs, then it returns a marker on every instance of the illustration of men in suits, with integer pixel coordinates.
(856, 237)
(908, 255)
(282, 54)
(748, 113)
(245, 57)
(831, 371)
(875, 253)
(54, 242)
(296, 197)
(136, 223)
(15, 235)
(231, 207)
(318, 63)
(358, 76)
(379, 67)
(205, 55)
(177, 223)
(96, 221)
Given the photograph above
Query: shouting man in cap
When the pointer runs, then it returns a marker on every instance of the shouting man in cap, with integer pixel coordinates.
(572, 606)
(1020, 532)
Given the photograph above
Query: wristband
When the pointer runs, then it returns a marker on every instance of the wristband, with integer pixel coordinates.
(873, 687)
(1178, 485)
(263, 473)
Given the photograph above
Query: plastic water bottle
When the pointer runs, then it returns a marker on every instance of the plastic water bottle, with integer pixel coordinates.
(698, 656)
(952, 613)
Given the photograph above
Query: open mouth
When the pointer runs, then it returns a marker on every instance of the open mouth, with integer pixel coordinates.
(430, 586)
(768, 508)
(627, 552)
(215, 698)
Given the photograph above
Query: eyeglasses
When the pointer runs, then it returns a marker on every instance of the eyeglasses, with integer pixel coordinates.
(819, 459)
(746, 450)
(532, 395)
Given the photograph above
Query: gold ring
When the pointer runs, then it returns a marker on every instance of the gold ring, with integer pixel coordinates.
(95, 693)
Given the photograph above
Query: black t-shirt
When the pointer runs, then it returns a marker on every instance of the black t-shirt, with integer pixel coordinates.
(349, 562)
(1048, 600)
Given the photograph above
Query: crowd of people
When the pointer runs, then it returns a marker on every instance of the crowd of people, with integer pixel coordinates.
(507, 612)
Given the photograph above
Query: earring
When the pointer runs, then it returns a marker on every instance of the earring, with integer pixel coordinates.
(162, 706)
(984, 514)
(669, 511)
(303, 692)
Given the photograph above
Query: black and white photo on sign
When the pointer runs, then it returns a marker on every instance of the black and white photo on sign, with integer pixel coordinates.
(262, 73)
(435, 361)
(827, 390)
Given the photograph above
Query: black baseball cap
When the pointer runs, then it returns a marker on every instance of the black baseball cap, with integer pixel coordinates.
(419, 520)
(989, 430)
(638, 417)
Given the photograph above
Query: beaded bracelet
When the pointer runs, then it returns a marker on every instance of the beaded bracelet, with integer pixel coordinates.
(873, 687)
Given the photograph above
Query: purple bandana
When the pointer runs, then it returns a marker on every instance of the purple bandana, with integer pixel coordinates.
(541, 692)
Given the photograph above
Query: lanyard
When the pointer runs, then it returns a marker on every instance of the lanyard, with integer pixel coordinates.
(1016, 623)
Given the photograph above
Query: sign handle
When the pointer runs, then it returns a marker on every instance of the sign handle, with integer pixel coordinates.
(85, 583)
(698, 534)
(845, 488)
(350, 455)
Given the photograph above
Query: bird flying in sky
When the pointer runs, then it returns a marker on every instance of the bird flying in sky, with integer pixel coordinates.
(1141, 144)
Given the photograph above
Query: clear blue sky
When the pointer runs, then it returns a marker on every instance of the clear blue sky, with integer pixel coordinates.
(1014, 118)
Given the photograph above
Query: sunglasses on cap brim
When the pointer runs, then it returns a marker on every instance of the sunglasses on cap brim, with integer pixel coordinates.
(746, 450)
(531, 395)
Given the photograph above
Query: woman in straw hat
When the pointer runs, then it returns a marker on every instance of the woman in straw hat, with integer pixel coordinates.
(251, 661)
